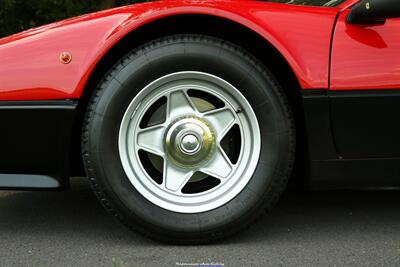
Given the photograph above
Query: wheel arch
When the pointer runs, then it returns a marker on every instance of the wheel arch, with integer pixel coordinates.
(264, 49)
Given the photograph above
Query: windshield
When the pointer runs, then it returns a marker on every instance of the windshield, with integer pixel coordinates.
(309, 2)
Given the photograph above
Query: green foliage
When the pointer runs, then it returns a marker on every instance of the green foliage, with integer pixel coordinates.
(19, 15)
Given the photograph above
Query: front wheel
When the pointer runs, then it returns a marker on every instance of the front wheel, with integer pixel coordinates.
(188, 139)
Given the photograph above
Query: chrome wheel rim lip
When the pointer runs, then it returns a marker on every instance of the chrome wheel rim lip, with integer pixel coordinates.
(241, 172)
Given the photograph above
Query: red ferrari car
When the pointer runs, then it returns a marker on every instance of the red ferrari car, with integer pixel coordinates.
(189, 117)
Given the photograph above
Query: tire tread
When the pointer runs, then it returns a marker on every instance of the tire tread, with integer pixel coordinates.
(268, 200)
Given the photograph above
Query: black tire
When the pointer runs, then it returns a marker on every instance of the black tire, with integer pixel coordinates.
(144, 65)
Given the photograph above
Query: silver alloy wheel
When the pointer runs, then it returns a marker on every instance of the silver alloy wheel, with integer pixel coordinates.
(189, 141)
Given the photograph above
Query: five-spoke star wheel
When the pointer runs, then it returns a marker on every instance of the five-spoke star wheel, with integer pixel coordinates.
(198, 112)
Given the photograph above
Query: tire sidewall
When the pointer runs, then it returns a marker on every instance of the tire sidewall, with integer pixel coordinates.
(201, 54)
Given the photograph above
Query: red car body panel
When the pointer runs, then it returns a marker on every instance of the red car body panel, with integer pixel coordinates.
(365, 56)
(350, 128)
(31, 70)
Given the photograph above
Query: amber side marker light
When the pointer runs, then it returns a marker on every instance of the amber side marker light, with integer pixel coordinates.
(65, 57)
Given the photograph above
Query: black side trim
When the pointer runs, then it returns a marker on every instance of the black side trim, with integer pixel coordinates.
(318, 126)
(353, 138)
(355, 174)
(366, 124)
(356, 124)
(48, 104)
(35, 141)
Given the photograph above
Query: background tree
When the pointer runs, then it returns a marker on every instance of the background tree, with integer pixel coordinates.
(19, 15)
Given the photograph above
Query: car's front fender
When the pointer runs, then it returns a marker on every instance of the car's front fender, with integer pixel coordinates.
(31, 69)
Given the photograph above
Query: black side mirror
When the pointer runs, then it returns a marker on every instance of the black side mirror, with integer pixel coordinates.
(374, 11)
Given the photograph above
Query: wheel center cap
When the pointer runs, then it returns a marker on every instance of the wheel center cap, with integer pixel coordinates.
(190, 144)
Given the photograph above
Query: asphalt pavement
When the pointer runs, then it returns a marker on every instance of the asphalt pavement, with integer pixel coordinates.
(335, 228)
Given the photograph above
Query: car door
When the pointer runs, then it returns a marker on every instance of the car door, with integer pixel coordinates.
(365, 88)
